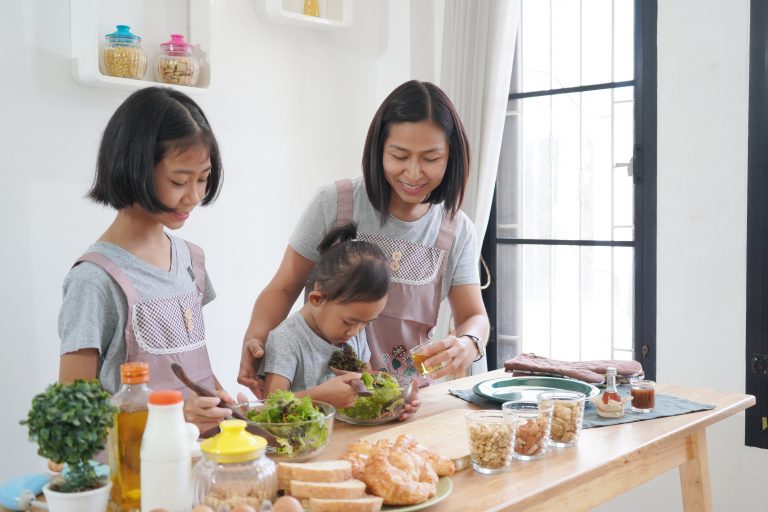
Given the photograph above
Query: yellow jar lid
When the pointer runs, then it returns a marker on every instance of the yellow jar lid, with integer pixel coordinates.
(233, 444)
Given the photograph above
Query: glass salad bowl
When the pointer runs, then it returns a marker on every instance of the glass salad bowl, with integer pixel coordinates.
(302, 426)
(390, 394)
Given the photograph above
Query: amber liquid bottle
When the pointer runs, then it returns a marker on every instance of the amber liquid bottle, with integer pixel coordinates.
(311, 8)
(125, 437)
(611, 391)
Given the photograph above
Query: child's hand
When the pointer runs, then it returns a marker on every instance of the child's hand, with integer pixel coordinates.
(413, 403)
(253, 351)
(337, 391)
(204, 412)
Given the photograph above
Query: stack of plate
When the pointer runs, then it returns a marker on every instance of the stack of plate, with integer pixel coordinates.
(528, 388)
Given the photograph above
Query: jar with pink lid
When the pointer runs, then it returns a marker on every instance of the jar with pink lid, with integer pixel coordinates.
(176, 64)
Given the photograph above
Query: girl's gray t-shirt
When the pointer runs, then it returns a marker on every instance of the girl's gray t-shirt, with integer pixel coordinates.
(295, 352)
(320, 217)
(94, 310)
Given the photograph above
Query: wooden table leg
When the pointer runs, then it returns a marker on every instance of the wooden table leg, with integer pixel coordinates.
(694, 475)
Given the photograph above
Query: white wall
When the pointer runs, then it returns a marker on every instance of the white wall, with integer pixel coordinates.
(290, 107)
(703, 51)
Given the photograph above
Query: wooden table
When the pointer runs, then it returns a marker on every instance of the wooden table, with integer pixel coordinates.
(607, 462)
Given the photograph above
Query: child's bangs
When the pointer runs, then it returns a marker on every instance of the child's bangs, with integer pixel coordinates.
(199, 138)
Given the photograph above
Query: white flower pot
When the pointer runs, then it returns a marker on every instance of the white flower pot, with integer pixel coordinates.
(87, 501)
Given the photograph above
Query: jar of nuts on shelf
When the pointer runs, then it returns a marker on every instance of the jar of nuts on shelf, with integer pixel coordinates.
(176, 64)
(123, 56)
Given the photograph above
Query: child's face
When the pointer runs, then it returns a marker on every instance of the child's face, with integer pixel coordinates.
(337, 322)
(415, 158)
(180, 181)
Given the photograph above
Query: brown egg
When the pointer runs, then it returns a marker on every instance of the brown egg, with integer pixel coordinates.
(243, 508)
(287, 504)
(159, 510)
(202, 508)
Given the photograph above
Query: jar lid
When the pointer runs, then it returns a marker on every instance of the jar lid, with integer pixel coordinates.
(233, 444)
(176, 43)
(123, 32)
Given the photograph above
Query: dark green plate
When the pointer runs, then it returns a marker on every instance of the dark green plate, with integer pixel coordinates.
(528, 388)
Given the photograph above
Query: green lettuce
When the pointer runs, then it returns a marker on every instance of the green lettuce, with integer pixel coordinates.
(386, 400)
(296, 422)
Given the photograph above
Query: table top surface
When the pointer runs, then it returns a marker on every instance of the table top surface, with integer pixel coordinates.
(598, 448)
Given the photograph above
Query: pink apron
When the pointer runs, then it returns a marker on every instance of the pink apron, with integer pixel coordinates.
(165, 330)
(414, 297)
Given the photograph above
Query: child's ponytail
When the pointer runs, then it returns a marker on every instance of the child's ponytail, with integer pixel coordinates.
(350, 270)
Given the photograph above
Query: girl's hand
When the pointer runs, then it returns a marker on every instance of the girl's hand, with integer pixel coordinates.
(204, 412)
(253, 351)
(337, 390)
(413, 403)
(456, 355)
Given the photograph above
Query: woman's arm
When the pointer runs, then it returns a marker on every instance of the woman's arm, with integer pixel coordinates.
(458, 352)
(80, 364)
(271, 307)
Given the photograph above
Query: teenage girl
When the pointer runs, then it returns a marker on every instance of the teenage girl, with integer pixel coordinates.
(415, 169)
(137, 293)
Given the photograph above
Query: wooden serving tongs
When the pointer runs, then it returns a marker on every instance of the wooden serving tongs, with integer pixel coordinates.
(251, 427)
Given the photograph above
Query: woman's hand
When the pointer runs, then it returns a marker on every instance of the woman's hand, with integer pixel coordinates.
(336, 391)
(455, 354)
(413, 403)
(204, 411)
(253, 351)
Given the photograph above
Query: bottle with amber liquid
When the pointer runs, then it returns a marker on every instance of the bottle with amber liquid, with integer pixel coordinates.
(125, 437)
(311, 8)
(611, 391)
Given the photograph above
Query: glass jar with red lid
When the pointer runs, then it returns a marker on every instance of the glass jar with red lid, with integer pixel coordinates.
(176, 64)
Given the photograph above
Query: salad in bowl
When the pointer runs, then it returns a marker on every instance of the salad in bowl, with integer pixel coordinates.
(389, 394)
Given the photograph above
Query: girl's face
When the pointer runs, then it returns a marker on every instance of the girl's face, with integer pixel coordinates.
(415, 158)
(180, 181)
(337, 322)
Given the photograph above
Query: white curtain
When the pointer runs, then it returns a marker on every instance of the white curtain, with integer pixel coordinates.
(477, 55)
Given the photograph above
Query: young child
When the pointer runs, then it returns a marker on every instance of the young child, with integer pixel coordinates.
(137, 293)
(350, 288)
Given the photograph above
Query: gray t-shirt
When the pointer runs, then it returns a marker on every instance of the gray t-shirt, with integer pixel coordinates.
(320, 217)
(94, 310)
(295, 352)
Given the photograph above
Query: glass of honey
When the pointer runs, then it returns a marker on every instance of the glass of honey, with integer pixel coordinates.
(418, 357)
(643, 395)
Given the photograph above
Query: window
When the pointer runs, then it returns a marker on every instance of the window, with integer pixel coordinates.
(571, 239)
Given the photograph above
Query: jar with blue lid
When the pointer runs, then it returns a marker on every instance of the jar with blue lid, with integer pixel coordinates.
(123, 56)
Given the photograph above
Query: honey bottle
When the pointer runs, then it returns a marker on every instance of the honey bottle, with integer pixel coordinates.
(125, 437)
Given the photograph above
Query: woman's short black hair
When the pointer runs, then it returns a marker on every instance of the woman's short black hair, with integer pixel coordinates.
(350, 270)
(412, 102)
(148, 125)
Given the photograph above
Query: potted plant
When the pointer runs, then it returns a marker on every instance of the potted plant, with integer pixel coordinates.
(70, 424)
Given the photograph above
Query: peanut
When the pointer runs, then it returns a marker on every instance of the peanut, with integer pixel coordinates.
(489, 444)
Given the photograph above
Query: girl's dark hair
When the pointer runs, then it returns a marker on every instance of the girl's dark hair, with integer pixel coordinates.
(148, 125)
(350, 270)
(412, 102)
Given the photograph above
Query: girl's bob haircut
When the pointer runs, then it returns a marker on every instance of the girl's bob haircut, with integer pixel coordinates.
(412, 102)
(150, 124)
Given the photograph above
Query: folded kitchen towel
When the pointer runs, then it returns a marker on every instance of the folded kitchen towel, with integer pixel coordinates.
(592, 372)
(665, 406)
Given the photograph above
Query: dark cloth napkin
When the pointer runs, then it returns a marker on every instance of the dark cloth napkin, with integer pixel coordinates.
(665, 406)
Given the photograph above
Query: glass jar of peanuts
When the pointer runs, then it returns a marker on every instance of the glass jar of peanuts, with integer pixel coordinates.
(234, 470)
(176, 64)
(490, 442)
(530, 423)
(123, 56)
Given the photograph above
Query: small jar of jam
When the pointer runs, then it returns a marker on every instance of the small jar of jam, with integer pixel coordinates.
(643, 395)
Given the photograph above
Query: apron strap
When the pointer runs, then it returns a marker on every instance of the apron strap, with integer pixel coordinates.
(445, 236)
(197, 256)
(344, 202)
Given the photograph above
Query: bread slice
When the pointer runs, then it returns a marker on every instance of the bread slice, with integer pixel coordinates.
(366, 504)
(324, 471)
(328, 490)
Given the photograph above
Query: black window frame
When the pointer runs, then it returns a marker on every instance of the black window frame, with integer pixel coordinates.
(644, 174)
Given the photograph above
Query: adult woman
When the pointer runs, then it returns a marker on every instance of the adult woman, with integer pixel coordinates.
(415, 169)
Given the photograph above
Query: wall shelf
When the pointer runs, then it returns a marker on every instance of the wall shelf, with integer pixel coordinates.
(334, 14)
(87, 40)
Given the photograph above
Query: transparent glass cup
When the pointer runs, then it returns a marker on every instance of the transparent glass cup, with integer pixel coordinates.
(418, 357)
(530, 423)
(643, 395)
(490, 441)
(567, 416)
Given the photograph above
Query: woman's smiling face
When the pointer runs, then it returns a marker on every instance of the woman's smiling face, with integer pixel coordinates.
(415, 159)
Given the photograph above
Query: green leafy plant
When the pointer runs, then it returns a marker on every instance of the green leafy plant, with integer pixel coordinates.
(70, 423)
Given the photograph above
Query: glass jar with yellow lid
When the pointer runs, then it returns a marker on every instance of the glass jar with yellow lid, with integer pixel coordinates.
(234, 469)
